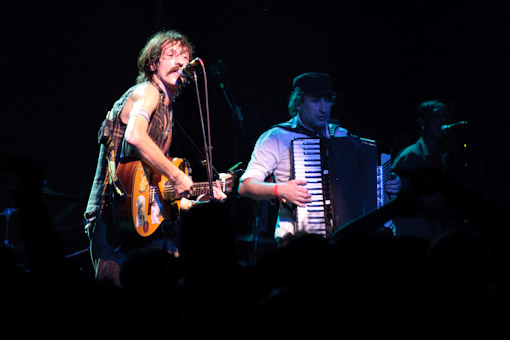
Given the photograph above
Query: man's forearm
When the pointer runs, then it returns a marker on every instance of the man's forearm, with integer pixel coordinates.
(256, 189)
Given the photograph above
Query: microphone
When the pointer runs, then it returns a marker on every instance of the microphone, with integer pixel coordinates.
(187, 70)
(449, 127)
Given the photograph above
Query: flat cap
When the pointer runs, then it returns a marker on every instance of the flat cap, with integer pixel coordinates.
(314, 83)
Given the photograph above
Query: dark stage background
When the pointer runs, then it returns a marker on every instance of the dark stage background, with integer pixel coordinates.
(63, 64)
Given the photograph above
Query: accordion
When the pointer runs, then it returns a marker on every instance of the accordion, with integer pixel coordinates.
(345, 176)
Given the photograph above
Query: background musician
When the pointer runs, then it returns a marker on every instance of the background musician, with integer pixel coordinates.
(423, 166)
(309, 106)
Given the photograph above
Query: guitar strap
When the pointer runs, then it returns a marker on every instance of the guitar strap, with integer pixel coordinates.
(111, 170)
(300, 129)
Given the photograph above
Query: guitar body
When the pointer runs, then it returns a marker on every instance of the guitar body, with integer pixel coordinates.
(149, 199)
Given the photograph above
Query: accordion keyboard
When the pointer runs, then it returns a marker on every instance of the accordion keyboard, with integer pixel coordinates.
(307, 165)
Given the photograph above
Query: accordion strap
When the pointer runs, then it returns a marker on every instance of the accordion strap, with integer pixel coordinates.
(289, 126)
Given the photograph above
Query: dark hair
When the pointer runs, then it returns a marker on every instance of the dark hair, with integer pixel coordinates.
(151, 52)
(426, 108)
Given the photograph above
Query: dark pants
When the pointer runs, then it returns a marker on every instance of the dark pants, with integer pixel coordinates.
(110, 246)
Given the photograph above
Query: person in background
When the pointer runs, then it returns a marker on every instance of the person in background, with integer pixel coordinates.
(421, 166)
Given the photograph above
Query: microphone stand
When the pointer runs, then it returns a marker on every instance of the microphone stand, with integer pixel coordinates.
(207, 141)
(7, 213)
(236, 109)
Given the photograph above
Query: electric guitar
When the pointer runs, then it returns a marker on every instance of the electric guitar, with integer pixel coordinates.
(150, 198)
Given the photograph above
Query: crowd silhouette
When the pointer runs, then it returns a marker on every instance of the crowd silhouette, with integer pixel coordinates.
(361, 283)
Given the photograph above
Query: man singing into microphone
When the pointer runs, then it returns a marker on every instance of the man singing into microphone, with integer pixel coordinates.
(309, 106)
(420, 166)
(139, 127)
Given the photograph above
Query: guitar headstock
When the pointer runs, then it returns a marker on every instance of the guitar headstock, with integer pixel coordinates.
(236, 171)
(227, 180)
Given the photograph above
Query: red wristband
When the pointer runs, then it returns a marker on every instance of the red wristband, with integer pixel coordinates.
(275, 191)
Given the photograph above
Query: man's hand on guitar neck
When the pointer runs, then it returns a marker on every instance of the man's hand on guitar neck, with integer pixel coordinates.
(219, 195)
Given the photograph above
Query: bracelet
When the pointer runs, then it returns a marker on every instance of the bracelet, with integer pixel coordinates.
(275, 191)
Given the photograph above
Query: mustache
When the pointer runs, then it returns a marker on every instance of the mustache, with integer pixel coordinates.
(174, 69)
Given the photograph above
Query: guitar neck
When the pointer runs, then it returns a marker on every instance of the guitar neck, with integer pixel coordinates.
(201, 188)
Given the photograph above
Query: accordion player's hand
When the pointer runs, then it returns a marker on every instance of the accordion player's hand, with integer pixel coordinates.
(393, 185)
(295, 192)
